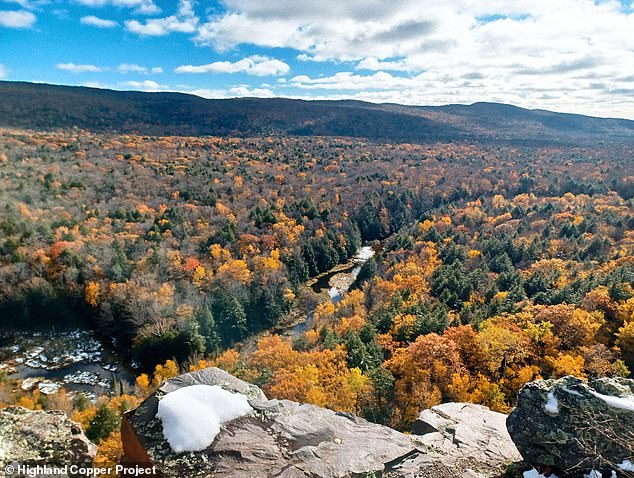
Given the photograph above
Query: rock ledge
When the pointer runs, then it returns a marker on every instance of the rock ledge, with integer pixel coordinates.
(286, 439)
(29, 437)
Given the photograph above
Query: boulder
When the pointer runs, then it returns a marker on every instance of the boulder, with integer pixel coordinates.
(571, 427)
(460, 440)
(280, 438)
(48, 438)
(285, 439)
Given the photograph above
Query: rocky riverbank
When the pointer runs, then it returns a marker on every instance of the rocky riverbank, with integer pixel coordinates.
(49, 360)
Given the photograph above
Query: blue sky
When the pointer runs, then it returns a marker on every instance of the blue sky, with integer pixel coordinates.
(564, 55)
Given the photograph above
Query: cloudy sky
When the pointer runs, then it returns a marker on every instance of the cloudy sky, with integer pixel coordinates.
(563, 55)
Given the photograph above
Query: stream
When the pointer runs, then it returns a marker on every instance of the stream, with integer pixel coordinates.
(336, 282)
(72, 356)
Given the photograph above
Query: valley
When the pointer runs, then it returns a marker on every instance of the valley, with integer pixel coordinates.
(372, 276)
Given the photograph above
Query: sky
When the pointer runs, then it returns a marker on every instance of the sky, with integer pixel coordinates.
(563, 55)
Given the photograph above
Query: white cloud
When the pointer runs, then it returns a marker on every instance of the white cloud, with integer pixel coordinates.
(348, 81)
(95, 84)
(73, 68)
(152, 86)
(431, 88)
(244, 91)
(372, 63)
(184, 21)
(3, 71)
(240, 91)
(253, 65)
(206, 93)
(98, 22)
(560, 54)
(17, 19)
(147, 85)
(145, 7)
(132, 68)
(29, 4)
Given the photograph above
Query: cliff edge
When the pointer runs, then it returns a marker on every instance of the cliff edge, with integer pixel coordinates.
(281, 438)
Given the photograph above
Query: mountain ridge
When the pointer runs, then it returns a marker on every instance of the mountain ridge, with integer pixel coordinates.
(44, 107)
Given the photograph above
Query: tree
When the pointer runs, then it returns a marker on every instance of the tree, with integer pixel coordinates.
(208, 329)
(232, 320)
(91, 293)
(103, 424)
(625, 340)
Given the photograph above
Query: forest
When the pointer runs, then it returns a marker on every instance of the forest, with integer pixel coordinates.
(40, 106)
(498, 264)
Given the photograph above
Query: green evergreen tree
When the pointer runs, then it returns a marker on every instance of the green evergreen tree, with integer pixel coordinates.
(208, 329)
(103, 424)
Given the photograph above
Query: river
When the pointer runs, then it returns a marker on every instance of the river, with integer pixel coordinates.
(70, 357)
(75, 358)
(336, 282)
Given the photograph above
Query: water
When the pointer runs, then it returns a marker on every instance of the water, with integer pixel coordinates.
(72, 358)
(336, 283)
(339, 279)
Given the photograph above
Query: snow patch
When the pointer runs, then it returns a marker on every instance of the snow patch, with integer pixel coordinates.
(594, 474)
(624, 403)
(533, 473)
(192, 416)
(572, 392)
(552, 405)
(627, 465)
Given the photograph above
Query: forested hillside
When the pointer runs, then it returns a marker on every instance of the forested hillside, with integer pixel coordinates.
(46, 107)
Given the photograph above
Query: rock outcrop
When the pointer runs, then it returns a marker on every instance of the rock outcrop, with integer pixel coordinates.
(462, 437)
(286, 439)
(34, 438)
(572, 426)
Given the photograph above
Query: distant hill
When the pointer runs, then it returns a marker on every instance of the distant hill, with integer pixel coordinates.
(45, 107)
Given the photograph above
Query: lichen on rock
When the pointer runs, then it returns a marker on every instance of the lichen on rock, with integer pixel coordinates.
(50, 438)
(590, 428)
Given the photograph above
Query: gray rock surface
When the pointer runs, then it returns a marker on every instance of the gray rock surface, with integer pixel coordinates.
(279, 439)
(50, 438)
(286, 439)
(571, 425)
(213, 376)
(461, 440)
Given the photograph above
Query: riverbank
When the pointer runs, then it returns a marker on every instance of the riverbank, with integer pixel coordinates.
(70, 357)
(331, 285)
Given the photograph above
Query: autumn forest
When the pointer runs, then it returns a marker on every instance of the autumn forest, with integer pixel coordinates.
(494, 264)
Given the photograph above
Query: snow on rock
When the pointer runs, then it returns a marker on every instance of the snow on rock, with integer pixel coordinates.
(552, 405)
(624, 403)
(584, 408)
(627, 465)
(192, 416)
(47, 387)
(533, 473)
(571, 392)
